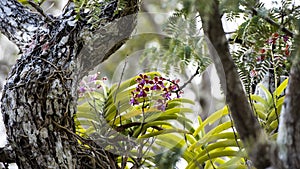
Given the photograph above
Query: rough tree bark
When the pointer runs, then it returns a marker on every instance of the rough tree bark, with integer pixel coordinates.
(285, 153)
(40, 96)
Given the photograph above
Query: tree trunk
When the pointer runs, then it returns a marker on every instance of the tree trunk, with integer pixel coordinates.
(288, 150)
(40, 97)
(246, 124)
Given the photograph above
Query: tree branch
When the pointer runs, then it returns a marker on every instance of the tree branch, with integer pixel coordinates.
(109, 36)
(190, 79)
(246, 124)
(19, 24)
(272, 22)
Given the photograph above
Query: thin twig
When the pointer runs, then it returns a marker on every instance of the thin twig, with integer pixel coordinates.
(231, 32)
(122, 75)
(115, 96)
(191, 78)
(272, 22)
(71, 132)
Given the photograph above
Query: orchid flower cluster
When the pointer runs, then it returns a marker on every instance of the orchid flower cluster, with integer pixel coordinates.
(148, 86)
(91, 83)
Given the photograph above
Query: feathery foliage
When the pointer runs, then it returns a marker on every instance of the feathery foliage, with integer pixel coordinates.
(182, 43)
(262, 49)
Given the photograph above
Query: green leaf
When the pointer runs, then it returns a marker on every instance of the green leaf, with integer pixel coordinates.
(170, 140)
(157, 123)
(235, 166)
(90, 131)
(87, 115)
(281, 88)
(272, 116)
(216, 130)
(268, 94)
(128, 83)
(121, 97)
(166, 117)
(23, 1)
(85, 122)
(232, 162)
(224, 153)
(260, 110)
(179, 101)
(173, 111)
(211, 119)
(165, 131)
(219, 144)
(259, 99)
(131, 114)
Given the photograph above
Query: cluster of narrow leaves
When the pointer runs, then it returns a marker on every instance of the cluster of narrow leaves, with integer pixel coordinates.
(271, 58)
(268, 107)
(182, 44)
(274, 54)
(214, 143)
(141, 127)
(263, 48)
(220, 147)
